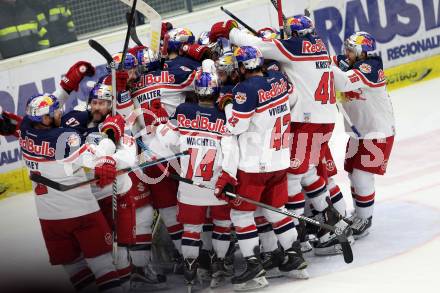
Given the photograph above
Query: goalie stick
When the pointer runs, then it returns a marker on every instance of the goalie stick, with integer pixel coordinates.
(341, 234)
(239, 20)
(62, 187)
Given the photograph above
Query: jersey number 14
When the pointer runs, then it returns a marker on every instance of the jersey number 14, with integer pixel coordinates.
(205, 168)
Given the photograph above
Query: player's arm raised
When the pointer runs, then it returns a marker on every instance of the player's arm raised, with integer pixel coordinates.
(363, 75)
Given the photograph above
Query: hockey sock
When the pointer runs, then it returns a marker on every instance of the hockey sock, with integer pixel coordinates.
(123, 267)
(175, 229)
(246, 231)
(336, 197)
(363, 185)
(107, 279)
(268, 239)
(140, 252)
(221, 237)
(296, 204)
(191, 240)
(80, 274)
(283, 227)
(315, 189)
(206, 237)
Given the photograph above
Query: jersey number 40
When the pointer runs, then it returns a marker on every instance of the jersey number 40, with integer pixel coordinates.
(325, 91)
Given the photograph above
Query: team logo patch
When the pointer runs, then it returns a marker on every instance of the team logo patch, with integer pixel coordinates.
(236, 202)
(124, 97)
(108, 238)
(295, 163)
(240, 98)
(73, 140)
(140, 187)
(330, 165)
(365, 68)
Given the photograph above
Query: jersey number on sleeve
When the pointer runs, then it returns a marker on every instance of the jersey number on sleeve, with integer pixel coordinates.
(40, 189)
(280, 139)
(322, 93)
(205, 168)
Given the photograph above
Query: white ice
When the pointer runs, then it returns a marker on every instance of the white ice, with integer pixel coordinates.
(400, 255)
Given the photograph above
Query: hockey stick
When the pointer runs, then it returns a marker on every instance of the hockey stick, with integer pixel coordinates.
(133, 32)
(153, 42)
(62, 187)
(281, 18)
(340, 233)
(239, 20)
(348, 120)
(275, 5)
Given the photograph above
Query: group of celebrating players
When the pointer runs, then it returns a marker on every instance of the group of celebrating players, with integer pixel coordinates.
(248, 115)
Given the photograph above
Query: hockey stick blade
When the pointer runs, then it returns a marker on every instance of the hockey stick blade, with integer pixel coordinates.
(62, 187)
(239, 20)
(153, 41)
(101, 50)
(133, 32)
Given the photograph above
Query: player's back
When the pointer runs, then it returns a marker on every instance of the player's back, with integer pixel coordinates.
(311, 74)
(170, 86)
(54, 153)
(263, 142)
(200, 131)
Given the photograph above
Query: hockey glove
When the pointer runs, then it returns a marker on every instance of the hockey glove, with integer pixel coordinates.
(196, 51)
(121, 81)
(9, 123)
(114, 126)
(135, 50)
(155, 114)
(105, 170)
(70, 82)
(221, 30)
(224, 100)
(225, 183)
(166, 27)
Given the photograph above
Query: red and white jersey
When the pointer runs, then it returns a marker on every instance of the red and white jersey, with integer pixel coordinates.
(367, 102)
(57, 154)
(307, 65)
(260, 118)
(199, 130)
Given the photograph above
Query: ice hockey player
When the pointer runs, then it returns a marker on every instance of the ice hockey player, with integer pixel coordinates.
(199, 129)
(359, 74)
(58, 154)
(261, 120)
(303, 57)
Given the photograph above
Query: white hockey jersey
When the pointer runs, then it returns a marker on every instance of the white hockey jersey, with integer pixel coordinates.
(367, 102)
(307, 65)
(199, 130)
(260, 117)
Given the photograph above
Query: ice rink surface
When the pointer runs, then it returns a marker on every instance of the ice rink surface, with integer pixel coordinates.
(402, 253)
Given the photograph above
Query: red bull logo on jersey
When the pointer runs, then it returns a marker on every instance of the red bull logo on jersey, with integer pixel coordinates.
(201, 123)
(277, 88)
(42, 150)
(310, 48)
(148, 79)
